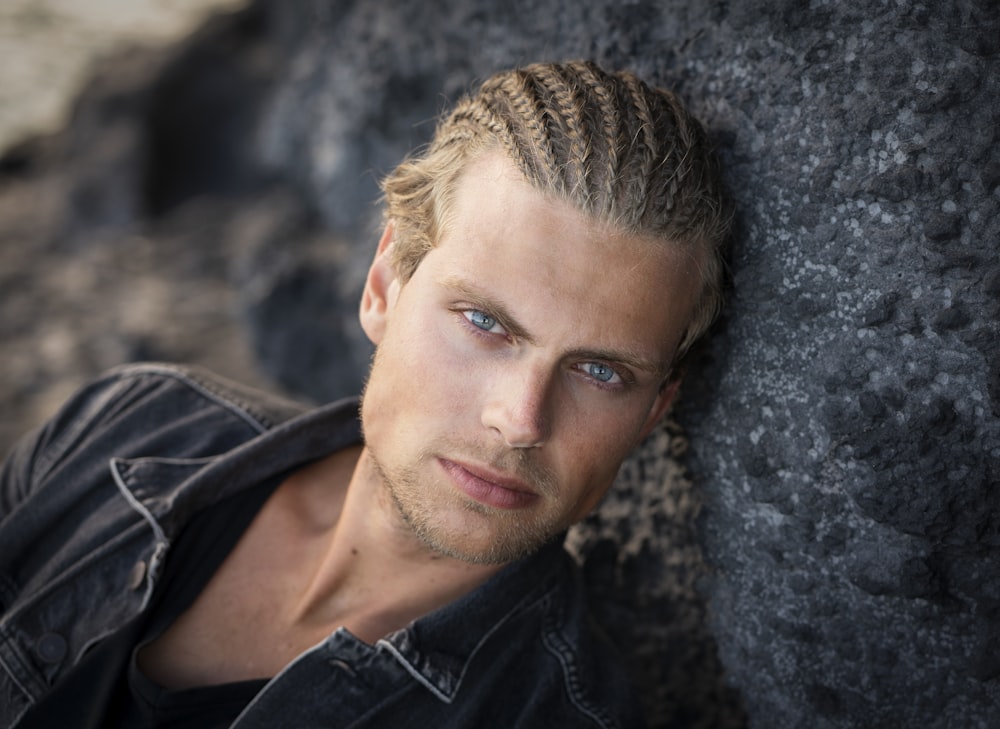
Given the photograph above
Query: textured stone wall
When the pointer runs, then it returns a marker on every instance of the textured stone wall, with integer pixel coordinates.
(831, 555)
(847, 433)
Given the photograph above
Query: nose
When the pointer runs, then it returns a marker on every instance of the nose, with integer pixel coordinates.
(517, 406)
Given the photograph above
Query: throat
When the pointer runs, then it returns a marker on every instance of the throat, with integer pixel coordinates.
(320, 555)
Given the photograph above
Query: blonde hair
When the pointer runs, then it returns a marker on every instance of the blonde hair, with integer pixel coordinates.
(619, 150)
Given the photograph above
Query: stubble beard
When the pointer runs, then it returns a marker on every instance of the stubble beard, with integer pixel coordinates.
(516, 534)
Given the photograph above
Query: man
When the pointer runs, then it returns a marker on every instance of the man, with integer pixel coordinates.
(177, 550)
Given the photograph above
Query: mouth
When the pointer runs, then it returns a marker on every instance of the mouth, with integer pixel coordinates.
(489, 487)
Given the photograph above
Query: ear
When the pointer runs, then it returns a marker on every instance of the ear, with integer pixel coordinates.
(381, 289)
(663, 402)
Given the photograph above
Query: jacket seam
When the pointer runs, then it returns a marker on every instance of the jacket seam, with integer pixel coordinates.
(18, 671)
(560, 648)
(522, 606)
(159, 536)
(208, 389)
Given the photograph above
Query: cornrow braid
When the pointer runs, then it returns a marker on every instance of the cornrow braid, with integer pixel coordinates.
(565, 100)
(619, 150)
(519, 92)
(606, 116)
(645, 145)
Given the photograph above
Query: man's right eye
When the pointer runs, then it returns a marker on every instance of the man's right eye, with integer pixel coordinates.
(482, 320)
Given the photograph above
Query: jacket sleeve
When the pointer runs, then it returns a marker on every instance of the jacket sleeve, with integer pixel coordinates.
(35, 452)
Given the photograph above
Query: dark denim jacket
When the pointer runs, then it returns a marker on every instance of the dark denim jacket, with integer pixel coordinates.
(90, 504)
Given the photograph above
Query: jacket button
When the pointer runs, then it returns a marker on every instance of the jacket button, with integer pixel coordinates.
(137, 575)
(51, 647)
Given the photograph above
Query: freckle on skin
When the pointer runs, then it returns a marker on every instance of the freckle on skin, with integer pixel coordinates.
(354, 551)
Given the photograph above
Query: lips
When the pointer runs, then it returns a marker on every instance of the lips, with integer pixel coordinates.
(489, 487)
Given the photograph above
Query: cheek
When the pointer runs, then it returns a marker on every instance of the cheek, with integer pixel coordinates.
(433, 369)
(592, 458)
(602, 433)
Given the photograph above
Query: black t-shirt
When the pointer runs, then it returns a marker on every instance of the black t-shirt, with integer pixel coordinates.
(106, 689)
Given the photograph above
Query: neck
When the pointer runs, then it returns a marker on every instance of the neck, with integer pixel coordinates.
(375, 576)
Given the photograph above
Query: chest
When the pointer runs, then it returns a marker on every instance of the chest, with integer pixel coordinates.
(242, 625)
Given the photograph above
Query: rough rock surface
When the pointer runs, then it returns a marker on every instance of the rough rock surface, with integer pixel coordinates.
(848, 432)
(834, 558)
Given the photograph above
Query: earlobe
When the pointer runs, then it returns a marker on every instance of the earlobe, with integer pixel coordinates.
(381, 287)
(663, 402)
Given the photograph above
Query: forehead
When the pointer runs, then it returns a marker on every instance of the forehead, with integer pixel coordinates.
(556, 266)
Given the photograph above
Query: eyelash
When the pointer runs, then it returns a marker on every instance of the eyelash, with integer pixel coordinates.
(604, 385)
(626, 377)
(478, 331)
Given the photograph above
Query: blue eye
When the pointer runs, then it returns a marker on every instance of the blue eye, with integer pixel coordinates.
(598, 371)
(480, 319)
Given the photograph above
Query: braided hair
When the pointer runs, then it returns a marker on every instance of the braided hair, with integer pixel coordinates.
(619, 150)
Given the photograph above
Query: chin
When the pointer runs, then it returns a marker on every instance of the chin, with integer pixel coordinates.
(509, 541)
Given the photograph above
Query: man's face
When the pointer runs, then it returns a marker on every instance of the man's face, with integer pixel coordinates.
(517, 367)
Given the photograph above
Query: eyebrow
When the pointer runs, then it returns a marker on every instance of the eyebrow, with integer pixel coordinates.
(505, 319)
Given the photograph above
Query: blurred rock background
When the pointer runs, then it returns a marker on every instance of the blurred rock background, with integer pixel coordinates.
(84, 282)
(48, 47)
(826, 552)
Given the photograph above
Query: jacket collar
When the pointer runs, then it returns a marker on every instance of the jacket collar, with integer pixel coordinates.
(438, 648)
(168, 491)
